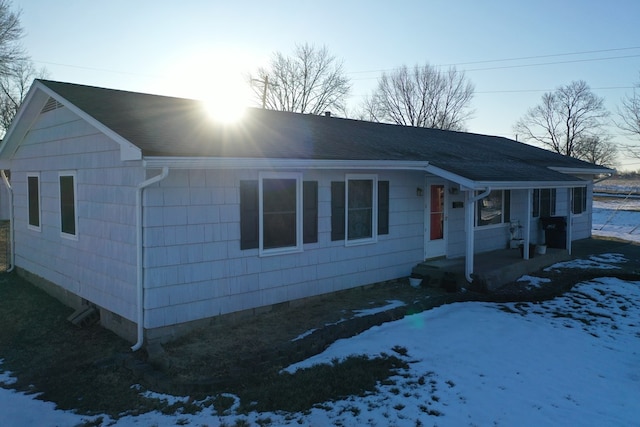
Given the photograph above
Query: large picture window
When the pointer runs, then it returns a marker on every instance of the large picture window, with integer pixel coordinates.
(33, 191)
(494, 209)
(278, 213)
(68, 219)
(544, 202)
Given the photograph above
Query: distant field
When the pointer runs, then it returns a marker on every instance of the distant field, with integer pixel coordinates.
(617, 217)
(618, 186)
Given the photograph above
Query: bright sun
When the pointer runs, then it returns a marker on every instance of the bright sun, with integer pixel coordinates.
(218, 78)
(226, 99)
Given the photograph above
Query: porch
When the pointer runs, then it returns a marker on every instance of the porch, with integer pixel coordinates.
(491, 269)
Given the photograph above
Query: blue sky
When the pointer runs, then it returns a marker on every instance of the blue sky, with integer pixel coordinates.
(187, 48)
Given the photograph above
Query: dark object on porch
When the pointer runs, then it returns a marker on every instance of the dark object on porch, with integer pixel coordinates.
(555, 231)
(532, 250)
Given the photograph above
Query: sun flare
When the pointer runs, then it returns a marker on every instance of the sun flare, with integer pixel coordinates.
(219, 80)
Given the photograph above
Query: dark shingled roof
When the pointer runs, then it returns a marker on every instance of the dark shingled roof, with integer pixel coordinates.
(175, 127)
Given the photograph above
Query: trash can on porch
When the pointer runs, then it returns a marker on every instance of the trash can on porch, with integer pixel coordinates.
(555, 231)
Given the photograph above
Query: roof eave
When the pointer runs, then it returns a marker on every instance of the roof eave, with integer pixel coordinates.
(152, 162)
(468, 184)
(583, 171)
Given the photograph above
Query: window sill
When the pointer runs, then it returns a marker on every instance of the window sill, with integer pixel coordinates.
(491, 226)
(359, 242)
(279, 251)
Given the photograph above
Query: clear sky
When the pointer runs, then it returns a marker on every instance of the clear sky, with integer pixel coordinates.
(513, 51)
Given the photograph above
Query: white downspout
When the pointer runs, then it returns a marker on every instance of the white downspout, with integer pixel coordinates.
(12, 258)
(471, 205)
(139, 258)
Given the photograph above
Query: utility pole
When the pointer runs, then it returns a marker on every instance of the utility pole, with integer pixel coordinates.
(264, 91)
(265, 83)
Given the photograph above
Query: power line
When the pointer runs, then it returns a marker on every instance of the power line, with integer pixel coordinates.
(522, 58)
(553, 63)
(549, 90)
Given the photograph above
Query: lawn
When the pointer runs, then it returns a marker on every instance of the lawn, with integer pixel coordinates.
(571, 360)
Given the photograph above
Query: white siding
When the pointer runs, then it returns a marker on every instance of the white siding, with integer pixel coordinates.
(100, 265)
(194, 267)
(497, 237)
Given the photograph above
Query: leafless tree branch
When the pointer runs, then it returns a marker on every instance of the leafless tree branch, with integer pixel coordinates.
(310, 81)
(569, 121)
(422, 97)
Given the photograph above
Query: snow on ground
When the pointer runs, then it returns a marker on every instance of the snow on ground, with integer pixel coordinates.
(617, 218)
(357, 313)
(574, 360)
(533, 282)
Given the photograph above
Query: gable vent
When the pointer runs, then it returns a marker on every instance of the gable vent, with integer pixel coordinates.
(51, 104)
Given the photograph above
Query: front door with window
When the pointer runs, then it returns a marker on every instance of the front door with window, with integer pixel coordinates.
(435, 219)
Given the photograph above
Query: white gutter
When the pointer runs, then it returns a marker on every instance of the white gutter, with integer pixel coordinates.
(265, 163)
(13, 252)
(471, 205)
(139, 258)
(609, 175)
(582, 171)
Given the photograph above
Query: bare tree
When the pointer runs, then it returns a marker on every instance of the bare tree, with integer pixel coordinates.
(310, 81)
(423, 96)
(10, 34)
(629, 115)
(14, 85)
(564, 119)
(597, 150)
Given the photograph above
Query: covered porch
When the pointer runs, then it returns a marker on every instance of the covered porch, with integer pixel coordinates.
(492, 270)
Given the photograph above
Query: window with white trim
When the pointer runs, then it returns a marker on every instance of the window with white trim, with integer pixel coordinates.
(68, 217)
(362, 207)
(278, 213)
(544, 202)
(494, 209)
(271, 213)
(33, 201)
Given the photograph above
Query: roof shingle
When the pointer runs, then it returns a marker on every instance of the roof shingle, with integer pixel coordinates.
(174, 127)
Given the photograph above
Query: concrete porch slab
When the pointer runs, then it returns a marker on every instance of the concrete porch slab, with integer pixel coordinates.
(492, 270)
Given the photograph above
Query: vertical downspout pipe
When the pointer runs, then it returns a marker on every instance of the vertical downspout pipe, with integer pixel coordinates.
(12, 258)
(139, 256)
(471, 204)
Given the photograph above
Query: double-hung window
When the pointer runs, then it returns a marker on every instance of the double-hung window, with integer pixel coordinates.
(494, 209)
(33, 200)
(359, 209)
(544, 202)
(278, 213)
(579, 196)
(68, 217)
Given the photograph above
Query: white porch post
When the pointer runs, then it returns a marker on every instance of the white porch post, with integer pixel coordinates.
(527, 225)
(468, 220)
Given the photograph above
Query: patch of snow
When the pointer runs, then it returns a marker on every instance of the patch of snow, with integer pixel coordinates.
(617, 218)
(357, 313)
(572, 360)
(533, 282)
(602, 262)
(371, 311)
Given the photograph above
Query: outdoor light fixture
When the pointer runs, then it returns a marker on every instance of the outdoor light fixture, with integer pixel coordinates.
(419, 192)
